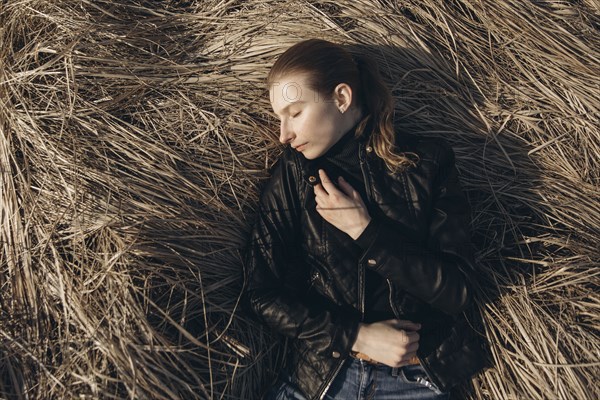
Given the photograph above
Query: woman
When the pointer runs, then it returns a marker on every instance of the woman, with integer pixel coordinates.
(360, 252)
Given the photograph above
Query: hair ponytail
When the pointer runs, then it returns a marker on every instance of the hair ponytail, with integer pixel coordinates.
(378, 106)
(327, 65)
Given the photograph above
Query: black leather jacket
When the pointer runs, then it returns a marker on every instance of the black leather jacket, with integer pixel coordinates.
(303, 280)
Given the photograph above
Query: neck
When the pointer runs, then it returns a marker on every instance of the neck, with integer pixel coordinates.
(353, 119)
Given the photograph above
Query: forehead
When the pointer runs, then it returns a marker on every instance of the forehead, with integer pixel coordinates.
(289, 89)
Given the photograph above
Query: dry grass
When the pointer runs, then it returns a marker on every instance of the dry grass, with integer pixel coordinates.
(135, 136)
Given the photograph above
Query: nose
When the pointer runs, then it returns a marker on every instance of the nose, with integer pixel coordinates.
(285, 133)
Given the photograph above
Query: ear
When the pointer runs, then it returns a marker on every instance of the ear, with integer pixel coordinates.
(342, 95)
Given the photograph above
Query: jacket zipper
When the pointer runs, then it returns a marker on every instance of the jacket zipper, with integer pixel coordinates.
(337, 370)
(361, 271)
(363, 162)
(365, 165)
(391, 297)
(397, 314)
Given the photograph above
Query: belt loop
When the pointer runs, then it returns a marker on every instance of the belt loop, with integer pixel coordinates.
(395, 372)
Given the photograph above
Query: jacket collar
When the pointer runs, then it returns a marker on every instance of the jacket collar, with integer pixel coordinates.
(310, 169)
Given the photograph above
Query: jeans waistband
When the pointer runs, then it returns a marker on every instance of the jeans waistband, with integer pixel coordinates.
(369, 360)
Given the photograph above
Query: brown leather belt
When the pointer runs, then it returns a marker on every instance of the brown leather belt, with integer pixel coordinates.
(366, 358)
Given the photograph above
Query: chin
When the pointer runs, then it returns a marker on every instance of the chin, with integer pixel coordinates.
(310, 155)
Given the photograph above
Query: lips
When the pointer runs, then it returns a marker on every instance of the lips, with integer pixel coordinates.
(299, 148)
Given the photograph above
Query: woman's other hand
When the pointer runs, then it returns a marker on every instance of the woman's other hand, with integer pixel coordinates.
(343, 208)
(392, 342)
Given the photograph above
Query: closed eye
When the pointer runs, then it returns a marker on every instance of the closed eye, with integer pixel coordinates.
(295, 115)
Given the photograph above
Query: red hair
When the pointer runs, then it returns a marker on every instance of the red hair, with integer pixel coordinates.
(327, 65)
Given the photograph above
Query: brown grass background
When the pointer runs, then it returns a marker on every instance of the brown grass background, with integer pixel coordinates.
(135, 136)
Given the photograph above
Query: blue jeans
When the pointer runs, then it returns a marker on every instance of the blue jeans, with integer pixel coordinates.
(362, 381)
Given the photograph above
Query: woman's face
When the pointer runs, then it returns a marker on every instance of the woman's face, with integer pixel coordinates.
(309, 123)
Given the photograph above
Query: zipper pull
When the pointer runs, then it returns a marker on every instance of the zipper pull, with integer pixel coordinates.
(315, 275)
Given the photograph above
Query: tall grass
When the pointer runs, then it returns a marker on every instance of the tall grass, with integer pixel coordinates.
(135, 137)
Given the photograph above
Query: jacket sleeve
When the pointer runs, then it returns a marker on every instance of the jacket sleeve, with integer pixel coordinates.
(275, 272)
(438, 271)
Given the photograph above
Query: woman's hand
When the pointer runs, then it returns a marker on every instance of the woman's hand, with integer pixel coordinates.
(393, 342)
(344, 208)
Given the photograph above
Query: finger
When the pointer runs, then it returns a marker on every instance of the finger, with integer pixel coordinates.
(407, 337)
(406, 359)
(405, 350)
(404, 324)
(412, 336)
(407, 325)
(319, 191)
(326, 182)
(411, 348)
(346, 187)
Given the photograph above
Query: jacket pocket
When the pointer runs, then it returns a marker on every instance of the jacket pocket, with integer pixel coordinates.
(462, 354)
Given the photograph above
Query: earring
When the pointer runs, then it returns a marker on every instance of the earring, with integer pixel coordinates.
(342, 109)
